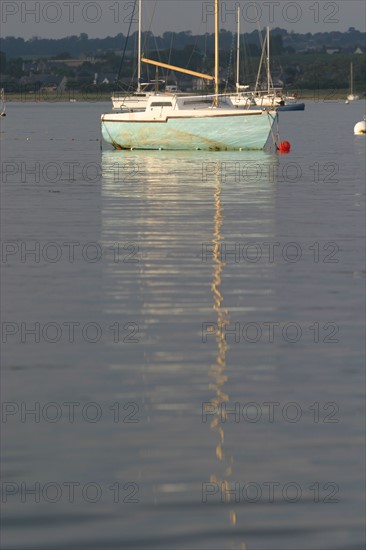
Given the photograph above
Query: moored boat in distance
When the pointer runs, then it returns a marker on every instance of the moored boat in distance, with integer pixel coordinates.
(243, 97)
(291, 107)
(272, 97)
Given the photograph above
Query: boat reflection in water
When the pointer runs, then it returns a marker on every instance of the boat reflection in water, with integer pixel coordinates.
(168, 204)
(218, 370)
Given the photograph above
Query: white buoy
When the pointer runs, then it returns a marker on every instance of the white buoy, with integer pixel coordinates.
(360, 127)
(347, 102)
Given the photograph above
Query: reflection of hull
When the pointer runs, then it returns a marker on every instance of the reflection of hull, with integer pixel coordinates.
(219, 130)
(2, 102)
(294, 107)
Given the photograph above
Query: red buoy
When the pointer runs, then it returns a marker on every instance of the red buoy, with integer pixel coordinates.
(284, 147)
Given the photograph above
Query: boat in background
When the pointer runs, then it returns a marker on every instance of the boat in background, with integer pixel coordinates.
(246, 98)
(291, 107)
(243, 97)
(174, 122)
(273, 97)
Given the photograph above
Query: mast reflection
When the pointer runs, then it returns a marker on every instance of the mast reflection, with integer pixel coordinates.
(218, 370)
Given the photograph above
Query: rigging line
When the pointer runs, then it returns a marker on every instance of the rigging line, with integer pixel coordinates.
(170, 48)
(147, 33)
(198, 36)
(248, 64)
(266, 62)
(262, 42)
(147, 36)
(192, 52)
(229, 64)
(260, 66)
(127, 37)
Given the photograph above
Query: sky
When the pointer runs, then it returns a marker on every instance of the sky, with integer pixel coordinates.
(101, 18)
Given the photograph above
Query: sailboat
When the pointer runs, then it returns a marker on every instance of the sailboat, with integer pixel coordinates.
(273, 97)
(189, 122)
(2, 103)
(243, 97)
(351, 96)
(138, 100)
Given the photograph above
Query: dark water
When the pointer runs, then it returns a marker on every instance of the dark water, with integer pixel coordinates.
(140, 260)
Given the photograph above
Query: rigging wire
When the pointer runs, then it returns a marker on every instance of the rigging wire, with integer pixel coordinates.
(147, 35)
(127, 37)
(230, 61)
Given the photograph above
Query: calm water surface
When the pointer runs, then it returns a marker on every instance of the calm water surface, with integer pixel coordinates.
(140, 258)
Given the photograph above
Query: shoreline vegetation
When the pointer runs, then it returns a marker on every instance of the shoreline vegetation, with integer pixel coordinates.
(96, 97)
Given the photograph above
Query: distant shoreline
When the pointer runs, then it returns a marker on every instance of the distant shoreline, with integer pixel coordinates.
(308, 95)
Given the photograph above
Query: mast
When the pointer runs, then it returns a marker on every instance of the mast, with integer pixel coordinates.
(351, 78)
(268, 68)
(238, 53)
(260, 65)
(139, 51)
(217, 19)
